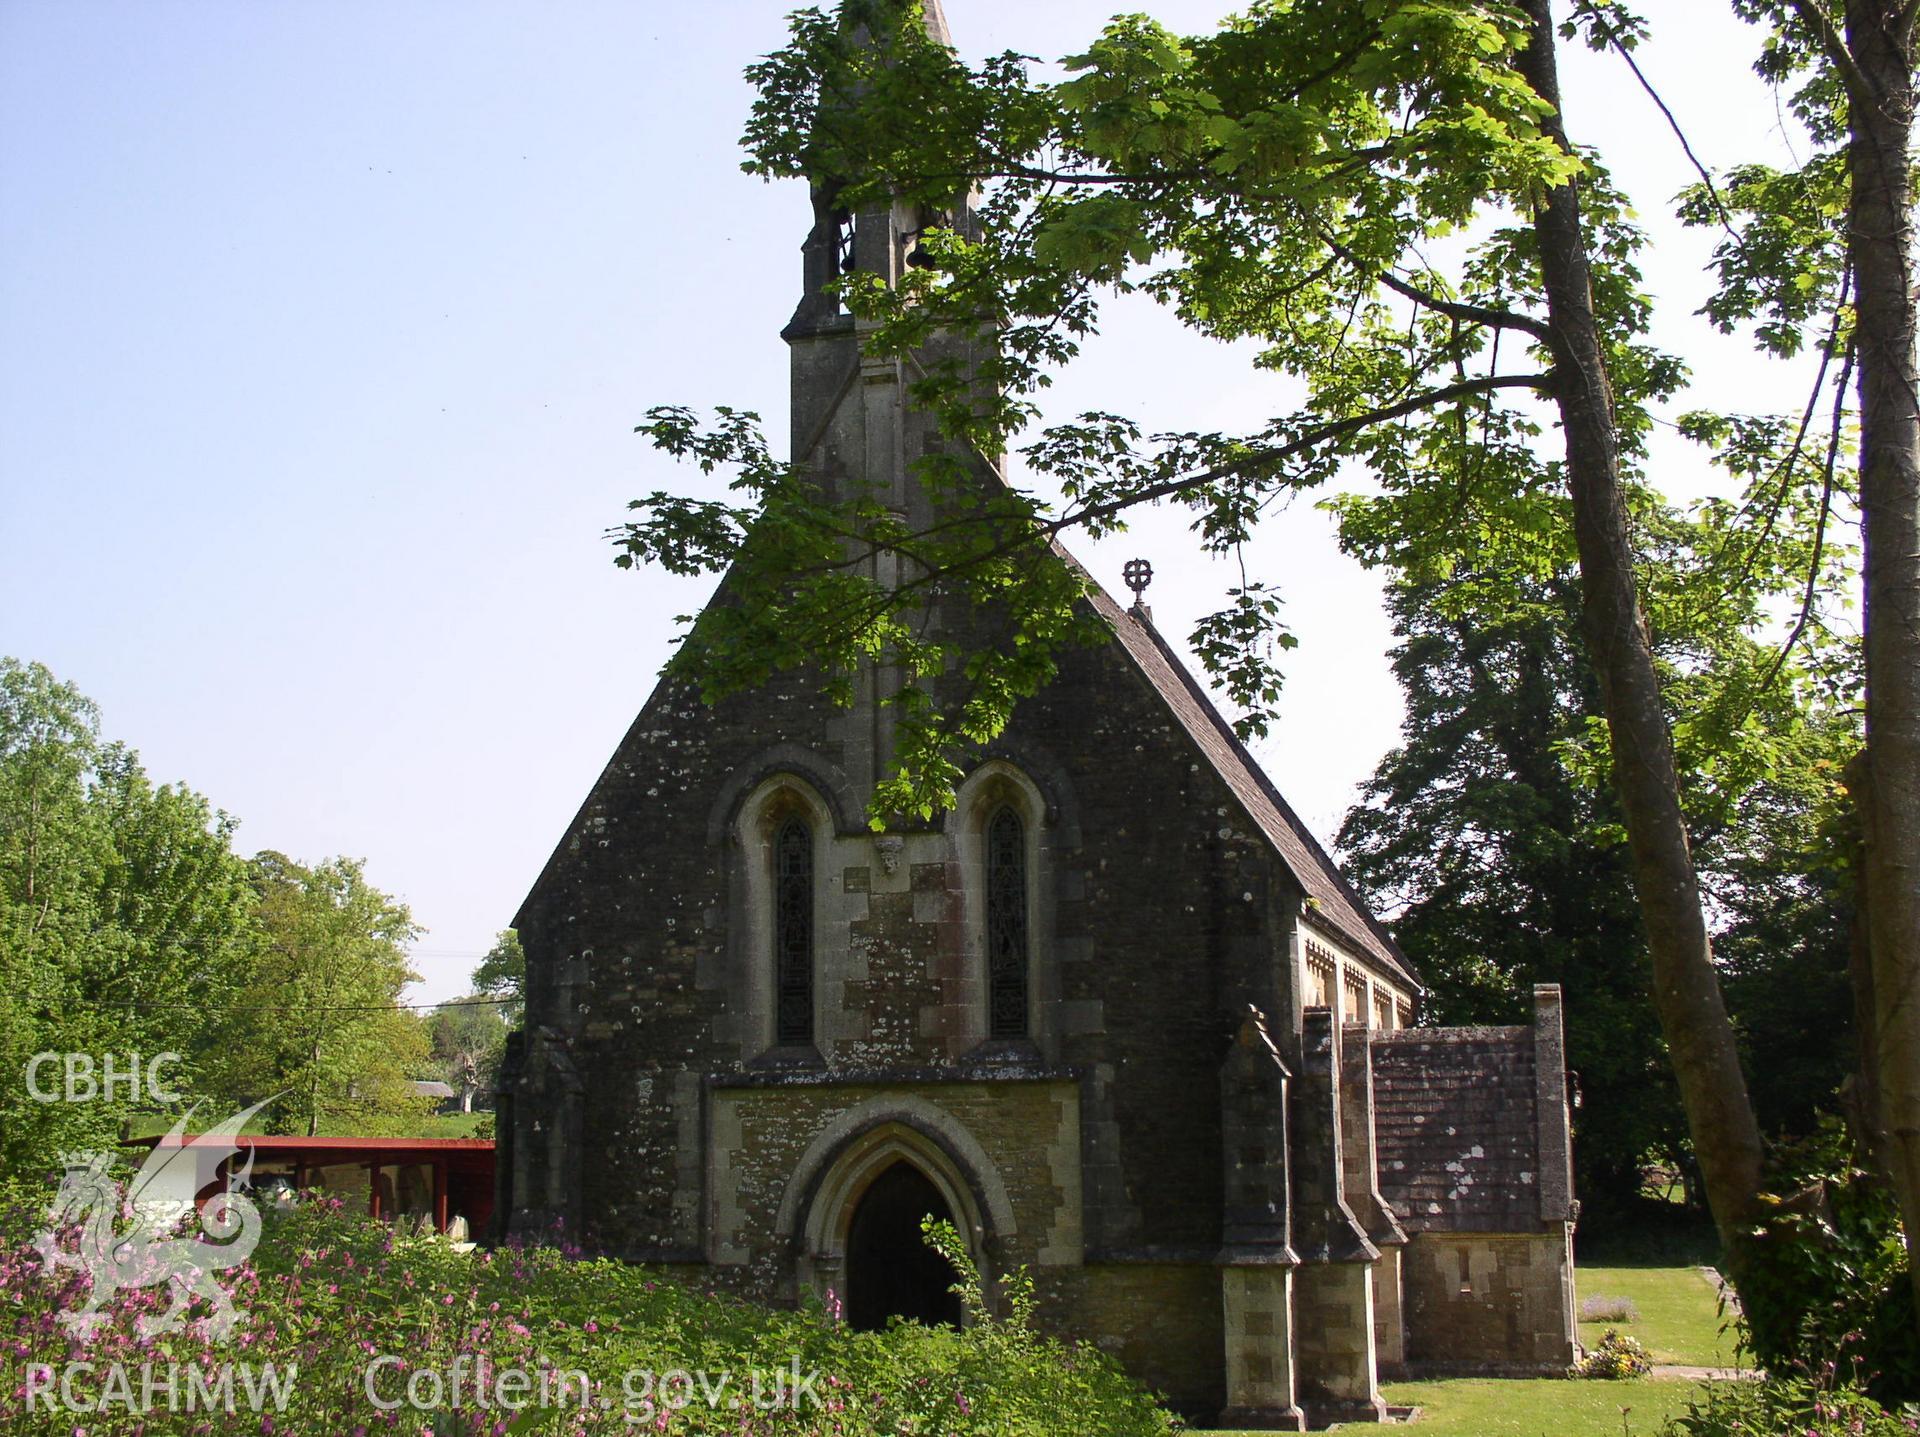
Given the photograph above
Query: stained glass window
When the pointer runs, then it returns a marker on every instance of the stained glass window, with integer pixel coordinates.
(1007, 925)
(793, 931)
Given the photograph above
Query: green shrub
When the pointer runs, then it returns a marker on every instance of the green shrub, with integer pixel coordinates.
(329, 1294)
(1795, 1405)
(1616, 1357)
(1826, 1282)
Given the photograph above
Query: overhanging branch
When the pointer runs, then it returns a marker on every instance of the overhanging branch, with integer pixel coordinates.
(1312, 439)
(876, 602)
(1453, 308)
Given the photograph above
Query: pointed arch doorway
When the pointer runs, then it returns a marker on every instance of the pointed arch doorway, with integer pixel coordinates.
(856, 1205)
(891, 1271)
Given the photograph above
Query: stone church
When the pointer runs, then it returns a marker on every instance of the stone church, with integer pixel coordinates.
(1115, 1014)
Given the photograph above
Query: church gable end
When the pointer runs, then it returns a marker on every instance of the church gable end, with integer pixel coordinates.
(1115, 1014)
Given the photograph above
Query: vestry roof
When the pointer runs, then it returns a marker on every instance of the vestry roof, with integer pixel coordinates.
(1456, 1128)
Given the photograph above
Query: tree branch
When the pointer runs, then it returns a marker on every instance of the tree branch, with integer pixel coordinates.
(1835, 44)
(1784, 470)
(1820, 527)
(1456, 309)
(1673, 123)
(869, 606)
(1326, 433)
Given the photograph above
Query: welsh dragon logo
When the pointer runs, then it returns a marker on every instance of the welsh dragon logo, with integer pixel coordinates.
(152, 1249)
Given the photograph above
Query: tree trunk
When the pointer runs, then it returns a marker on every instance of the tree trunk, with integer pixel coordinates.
(1861, 1095)
(1686, 990)
(1880, 108)
(313, 1093)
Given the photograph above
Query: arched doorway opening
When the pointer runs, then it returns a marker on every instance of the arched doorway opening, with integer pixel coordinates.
(891, 1271)
(845, 1162)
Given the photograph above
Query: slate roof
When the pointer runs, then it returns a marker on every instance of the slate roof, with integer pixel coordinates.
(1456, 1130)
(1339, 907)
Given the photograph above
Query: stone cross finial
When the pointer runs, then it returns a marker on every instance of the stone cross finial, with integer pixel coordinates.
(1139, 573)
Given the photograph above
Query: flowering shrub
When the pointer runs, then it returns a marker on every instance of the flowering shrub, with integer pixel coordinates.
(342, 1317)
(1608, 1309)
(1614, 1358)
(1800, 1404)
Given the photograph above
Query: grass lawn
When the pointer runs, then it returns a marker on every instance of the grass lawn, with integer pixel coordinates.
(448, 1125)
(1679, 1316)
(1545, 1407)
(424, 1125)
(1533, 1407)
(1679, 1323)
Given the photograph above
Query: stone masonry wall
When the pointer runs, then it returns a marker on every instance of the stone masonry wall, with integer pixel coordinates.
(1018, 1144)
(1164, 918)
(1161, 1320)
(1489, 1303)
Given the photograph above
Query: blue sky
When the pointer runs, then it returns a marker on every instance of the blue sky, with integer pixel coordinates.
(324, 328)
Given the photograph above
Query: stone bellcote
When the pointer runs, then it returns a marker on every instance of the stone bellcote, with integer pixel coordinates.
(854, 425)
(880, 239)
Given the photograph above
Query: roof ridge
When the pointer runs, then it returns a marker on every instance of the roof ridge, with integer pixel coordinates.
(1274, 796)
(1372, 937)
